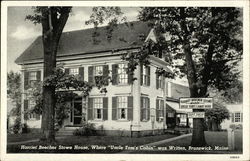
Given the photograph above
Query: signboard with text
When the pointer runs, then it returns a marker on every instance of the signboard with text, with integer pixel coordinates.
(196, 114)
(196, 103)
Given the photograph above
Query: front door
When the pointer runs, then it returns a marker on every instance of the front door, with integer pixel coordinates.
(77, 118)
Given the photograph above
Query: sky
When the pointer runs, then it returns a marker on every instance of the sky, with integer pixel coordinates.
(21, 33)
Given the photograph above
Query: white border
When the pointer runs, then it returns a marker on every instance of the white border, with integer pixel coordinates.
(125, 157)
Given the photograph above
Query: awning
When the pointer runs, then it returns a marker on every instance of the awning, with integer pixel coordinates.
(175, 106)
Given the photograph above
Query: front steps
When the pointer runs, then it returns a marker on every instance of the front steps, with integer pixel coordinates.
(66, 131)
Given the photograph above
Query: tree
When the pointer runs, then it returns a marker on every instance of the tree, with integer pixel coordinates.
(215, 116)
(207, 41)
(14, 91)
(53, 20)
(62, 82)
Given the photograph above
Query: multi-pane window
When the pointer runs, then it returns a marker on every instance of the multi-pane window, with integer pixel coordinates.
(98, 108)
(31, 106)
(145, 109)
(159, 83)
(145, 76)
(98, 71)
(237, 117)
(122, 74)
(122, 103)
(74, 71)
(32, 76)
(159, 109)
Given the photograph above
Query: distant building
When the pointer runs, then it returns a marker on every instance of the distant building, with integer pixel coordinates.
(236, 116)
(144, 106)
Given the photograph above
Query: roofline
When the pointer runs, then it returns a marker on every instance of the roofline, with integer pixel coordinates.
(76, 54)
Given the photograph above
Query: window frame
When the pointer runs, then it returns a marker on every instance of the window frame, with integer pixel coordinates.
(98, 68)
(145, 75)
(145, 108)
(97, 105)
(76, 72)
(238, 118)
(159, 81)
(121, 71)
(123, 105)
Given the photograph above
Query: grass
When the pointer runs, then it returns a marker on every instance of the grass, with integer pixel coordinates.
(22, 137)
(212, 138)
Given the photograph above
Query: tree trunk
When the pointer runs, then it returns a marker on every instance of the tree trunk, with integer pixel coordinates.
(198, 137)
(52, 30)
(215, 126)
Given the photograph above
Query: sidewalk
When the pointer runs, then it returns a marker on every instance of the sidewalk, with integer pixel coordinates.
(160, 142)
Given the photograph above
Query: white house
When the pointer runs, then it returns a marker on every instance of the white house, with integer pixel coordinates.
(236, 116)
(128, 106)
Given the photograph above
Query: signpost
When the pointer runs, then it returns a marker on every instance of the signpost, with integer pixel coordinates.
(196, 103)
(196, 114)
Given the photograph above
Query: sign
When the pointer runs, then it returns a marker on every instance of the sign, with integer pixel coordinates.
(196, 114)
(196, 103)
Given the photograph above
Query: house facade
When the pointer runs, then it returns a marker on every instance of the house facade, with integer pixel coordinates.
(236, 117)
(129, 106)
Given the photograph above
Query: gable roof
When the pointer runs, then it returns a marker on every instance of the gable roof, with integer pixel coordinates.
(81, 41)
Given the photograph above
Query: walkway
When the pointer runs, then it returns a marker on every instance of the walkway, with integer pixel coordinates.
(161, 142)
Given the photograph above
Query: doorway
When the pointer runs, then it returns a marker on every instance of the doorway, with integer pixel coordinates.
(77, 113)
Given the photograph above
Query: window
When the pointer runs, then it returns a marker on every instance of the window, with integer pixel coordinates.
(159, 109)
(171, 115)
(237, 117)
(31, 106)
(98, 71)
(145, 75)
(145, 109)
(122, 103)
(32, 76)
(98, 108)
(74, 71)
(159, 83)
(122, 74)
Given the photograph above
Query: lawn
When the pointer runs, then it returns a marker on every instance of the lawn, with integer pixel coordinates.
(212, 138)
(84, 141)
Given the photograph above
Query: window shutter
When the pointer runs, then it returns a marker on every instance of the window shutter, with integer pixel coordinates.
(114, 74)
(232, 117)
(141, 73)
(38, 76)
(114, 108)
(148, 108)
(142, 109)
(157, 110)
(241, 117)
(162, 108)
(157, 82)
(91, 74)
(26, 106)
(148, 75)
(66, 71)
(26, 80)
(130, 77)
(106, 74)
(105, 108)
(90, 109)
(81, 73)
(130, 107)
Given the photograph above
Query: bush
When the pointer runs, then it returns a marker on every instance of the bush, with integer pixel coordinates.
(25, 128)
(17, 126)
(86, 130)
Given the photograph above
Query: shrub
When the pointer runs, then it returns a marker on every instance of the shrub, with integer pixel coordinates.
(25, 128)
(17, 125)
(86, 130)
